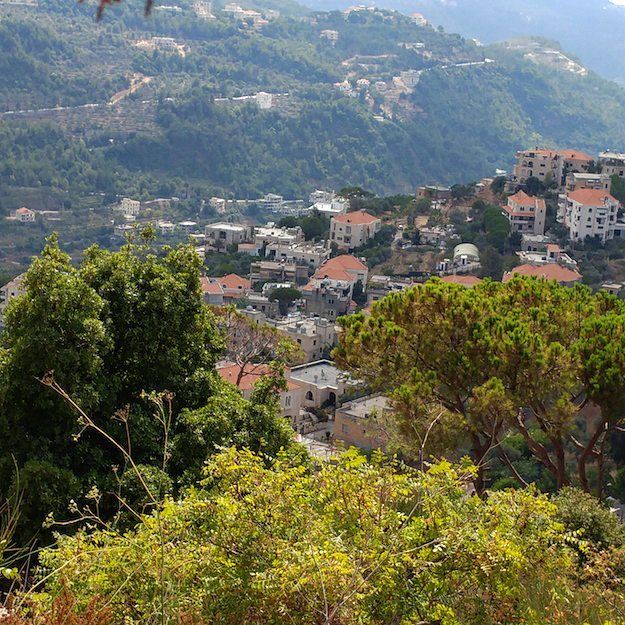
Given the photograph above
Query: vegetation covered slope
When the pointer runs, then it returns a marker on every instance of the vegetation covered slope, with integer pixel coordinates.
(469, 112)
(599, 43)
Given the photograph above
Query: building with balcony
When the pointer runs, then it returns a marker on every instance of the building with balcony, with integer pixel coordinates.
(222, 235)
(526, 214)
(278, 271)
(311, 255)
(352, 230)
(576, 181)
(590, 213)
(612, 163)
(315, 335)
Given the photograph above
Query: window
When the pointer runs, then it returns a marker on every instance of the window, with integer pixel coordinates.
(309, 396)
(344, 429)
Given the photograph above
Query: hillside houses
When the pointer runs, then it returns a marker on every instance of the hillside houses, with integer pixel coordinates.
(526, 214)
(349, 231)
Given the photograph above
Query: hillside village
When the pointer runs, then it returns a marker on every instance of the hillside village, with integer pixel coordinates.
(338, 253)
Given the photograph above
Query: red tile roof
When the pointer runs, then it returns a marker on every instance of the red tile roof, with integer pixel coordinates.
(210, 287)
(590, 197)
(23, 211)
(575, 155)
(334, 273)
(234, 282)
(347, 262)
(357, 217)
(465, 280)
(523, 199)
(252, 373)
(551, 271)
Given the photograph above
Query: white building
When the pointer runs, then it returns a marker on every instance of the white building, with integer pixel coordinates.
(310, 254)
(129, 206)
(330, 207)
(166, 228)
(23, 215)
(322, 383)
(270, 202)
(222, 235)
(330, 35)
(218, 204)
(187, 226)
(272, 234)
(591, 213)
(352, 230)
(10, 290)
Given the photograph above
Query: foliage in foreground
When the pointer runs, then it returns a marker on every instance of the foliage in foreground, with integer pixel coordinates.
(355, 543)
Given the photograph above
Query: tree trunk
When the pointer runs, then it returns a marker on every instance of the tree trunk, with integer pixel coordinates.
(588, 453)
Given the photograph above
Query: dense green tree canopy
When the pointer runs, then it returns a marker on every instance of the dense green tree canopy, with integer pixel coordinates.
(472, 365)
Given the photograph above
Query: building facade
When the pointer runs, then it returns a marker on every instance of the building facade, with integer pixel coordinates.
(352, 230)
(590, 213)
(360, 423)
(526, 214)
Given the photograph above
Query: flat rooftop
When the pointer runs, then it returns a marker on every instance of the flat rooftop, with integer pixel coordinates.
(322, 373)
(225, 226)
(363, 408)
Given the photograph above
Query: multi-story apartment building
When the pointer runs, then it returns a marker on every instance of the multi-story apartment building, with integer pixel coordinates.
(343, 268)
(574, 162)
(327, 298)
(270, 202)
(315, 335)
(575, 181)
(549, 165)
(352, 230)
(310, 254)
(278, 271)
(272, 234)
(526, 214)
(612, 163)
(223, 235)
(590, 213)
(129, 206)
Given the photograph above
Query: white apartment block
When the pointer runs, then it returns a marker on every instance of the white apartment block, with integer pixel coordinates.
(130, 207)
(352, 230)
(222, 235)
(272, 234)
(590, 213)
(526, 214)
(270, 202)
(309, 254)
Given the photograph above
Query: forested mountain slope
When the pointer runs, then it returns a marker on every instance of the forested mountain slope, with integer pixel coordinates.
(590, 29)
(388, 105)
